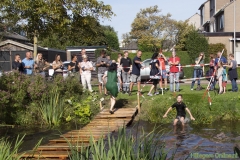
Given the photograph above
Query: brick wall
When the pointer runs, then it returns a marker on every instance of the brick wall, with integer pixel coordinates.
(229, 19)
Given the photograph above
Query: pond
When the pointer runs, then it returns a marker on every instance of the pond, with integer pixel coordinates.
(193, 142)
(213, 141)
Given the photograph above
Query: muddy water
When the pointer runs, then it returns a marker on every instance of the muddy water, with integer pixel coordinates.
(215, 141)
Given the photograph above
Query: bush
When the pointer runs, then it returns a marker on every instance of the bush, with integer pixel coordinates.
(214, 48)
(98, 52)
(195, 44)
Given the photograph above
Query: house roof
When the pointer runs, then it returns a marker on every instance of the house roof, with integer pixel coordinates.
(130, 46)
(203, 4)
(9, 35)
(193, 15)
(222, 9)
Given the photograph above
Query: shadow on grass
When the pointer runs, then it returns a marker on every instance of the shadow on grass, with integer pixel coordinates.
(121, 103)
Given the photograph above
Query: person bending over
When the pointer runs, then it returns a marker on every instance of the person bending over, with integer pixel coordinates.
(181, 113)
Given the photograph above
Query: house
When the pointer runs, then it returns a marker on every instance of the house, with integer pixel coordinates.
(217, 23)
(131, 47)
(194, 20)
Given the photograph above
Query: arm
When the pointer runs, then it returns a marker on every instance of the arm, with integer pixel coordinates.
(169, 109)
(192, 118)
(70, 68)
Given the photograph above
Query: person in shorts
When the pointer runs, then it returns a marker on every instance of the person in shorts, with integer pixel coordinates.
(162, 59)
(135, 77)
(181, 113)
(102, 64)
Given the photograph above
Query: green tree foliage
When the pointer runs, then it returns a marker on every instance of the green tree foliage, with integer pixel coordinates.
(195, 44)
(150, 28)
(111, 38)
(218, 47)
(66, 20)
(183, 30)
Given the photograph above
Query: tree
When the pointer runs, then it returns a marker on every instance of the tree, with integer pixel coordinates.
(195, 44)
(111, 38)
(214, 48)
(55, 16)
(150, 28)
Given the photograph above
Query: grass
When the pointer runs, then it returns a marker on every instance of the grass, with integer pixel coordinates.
(224, 107)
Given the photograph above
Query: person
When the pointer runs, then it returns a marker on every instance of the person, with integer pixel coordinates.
(174, 61)
(220, 72)
(211, 69)
(198, 70)
(81, 55)
(119, 75)
(109, 59)
(232, 72)
(73, 67)
(119, 58)
(181, 113)
(40, 65)
(224, 83)
(154, 73)
(85, 71)
(111, 85)
(135, 77)
(102, 64)
(126, 64)
(162, 59)
(219, 58)
(57, 65)
(17, 63)
(28, 64)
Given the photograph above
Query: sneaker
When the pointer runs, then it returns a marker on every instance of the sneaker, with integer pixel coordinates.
(191, 89)
(165, 89)
(156, 93)
(149, 94)
(129, 93)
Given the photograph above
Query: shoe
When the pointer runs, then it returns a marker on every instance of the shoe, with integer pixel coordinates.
(129, 93)
(149, 94)
(123, 92)
(191, 89)
(126, 92)
(111, 112)
(156, 93)
(165, 89)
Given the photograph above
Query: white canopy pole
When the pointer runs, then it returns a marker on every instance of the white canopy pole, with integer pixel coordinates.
(234, 21)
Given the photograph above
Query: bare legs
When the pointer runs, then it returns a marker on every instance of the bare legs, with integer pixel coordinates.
(112, 102)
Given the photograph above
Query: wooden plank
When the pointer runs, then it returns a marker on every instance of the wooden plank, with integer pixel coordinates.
(70, 140)
(83, 136)
(113, 116)
(46, 154)
(83, 133)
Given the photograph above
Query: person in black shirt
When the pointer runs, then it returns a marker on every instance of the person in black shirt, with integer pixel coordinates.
(135, 77)
(126, 64)
(17, 63)
(73, 67)
(180, 107)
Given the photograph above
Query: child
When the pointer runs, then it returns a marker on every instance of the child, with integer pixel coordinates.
(180, 107)
(224, 83)
(220, 77)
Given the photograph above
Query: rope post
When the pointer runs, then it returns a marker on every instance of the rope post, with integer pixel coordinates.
(138, 99)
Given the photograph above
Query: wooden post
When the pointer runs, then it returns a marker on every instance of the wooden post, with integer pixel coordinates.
(138, 99)
(35, 45)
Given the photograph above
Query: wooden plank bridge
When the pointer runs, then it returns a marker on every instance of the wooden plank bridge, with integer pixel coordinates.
(103, 124)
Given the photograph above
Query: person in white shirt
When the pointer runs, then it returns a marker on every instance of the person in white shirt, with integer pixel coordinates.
(85, 71)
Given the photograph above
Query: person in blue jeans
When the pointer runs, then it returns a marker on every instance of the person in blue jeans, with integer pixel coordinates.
(198, 70)
(174, 62)
(224, 61)
(232, 72)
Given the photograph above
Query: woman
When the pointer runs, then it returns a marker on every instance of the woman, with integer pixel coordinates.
(74, 68)
(220, 72)
(211, 69)
(232, 72)
(85, 71)
(40, 65)
(154, 73)
(57, 65)
(111, 85)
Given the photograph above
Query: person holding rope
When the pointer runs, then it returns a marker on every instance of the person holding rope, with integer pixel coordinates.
(181, 113)
(198, 71)
(135, 77)
(232, 72)
(174, 71)
(211, 69)
(154, 74)
(162, 59)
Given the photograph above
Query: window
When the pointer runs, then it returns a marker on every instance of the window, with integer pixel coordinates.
(202, 15)
(212, 7)
(221, 22)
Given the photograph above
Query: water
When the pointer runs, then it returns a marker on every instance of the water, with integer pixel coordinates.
(215, 141)
(192, 142)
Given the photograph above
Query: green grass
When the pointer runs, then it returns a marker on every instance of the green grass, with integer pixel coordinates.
(224, 107)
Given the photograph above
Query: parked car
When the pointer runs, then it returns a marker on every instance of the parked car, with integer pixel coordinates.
(145, 73)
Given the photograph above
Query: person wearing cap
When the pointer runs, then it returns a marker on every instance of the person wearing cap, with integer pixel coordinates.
(174, 61)
(85, 72)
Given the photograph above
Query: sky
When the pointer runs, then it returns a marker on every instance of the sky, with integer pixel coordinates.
(126, 11)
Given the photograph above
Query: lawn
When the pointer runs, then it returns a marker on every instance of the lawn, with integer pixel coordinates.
(224, 107)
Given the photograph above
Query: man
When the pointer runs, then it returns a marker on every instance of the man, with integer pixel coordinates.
(162, 59)
(224, 61)
(126, 64)
(28, 64)
(83, 53)
(102, 64)
(198, 70)
(174, 71)
(135, 77)
(119, 58)
(17, 63)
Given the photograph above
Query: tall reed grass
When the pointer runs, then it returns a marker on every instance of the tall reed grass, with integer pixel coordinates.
(52, 108)
(126, 146)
